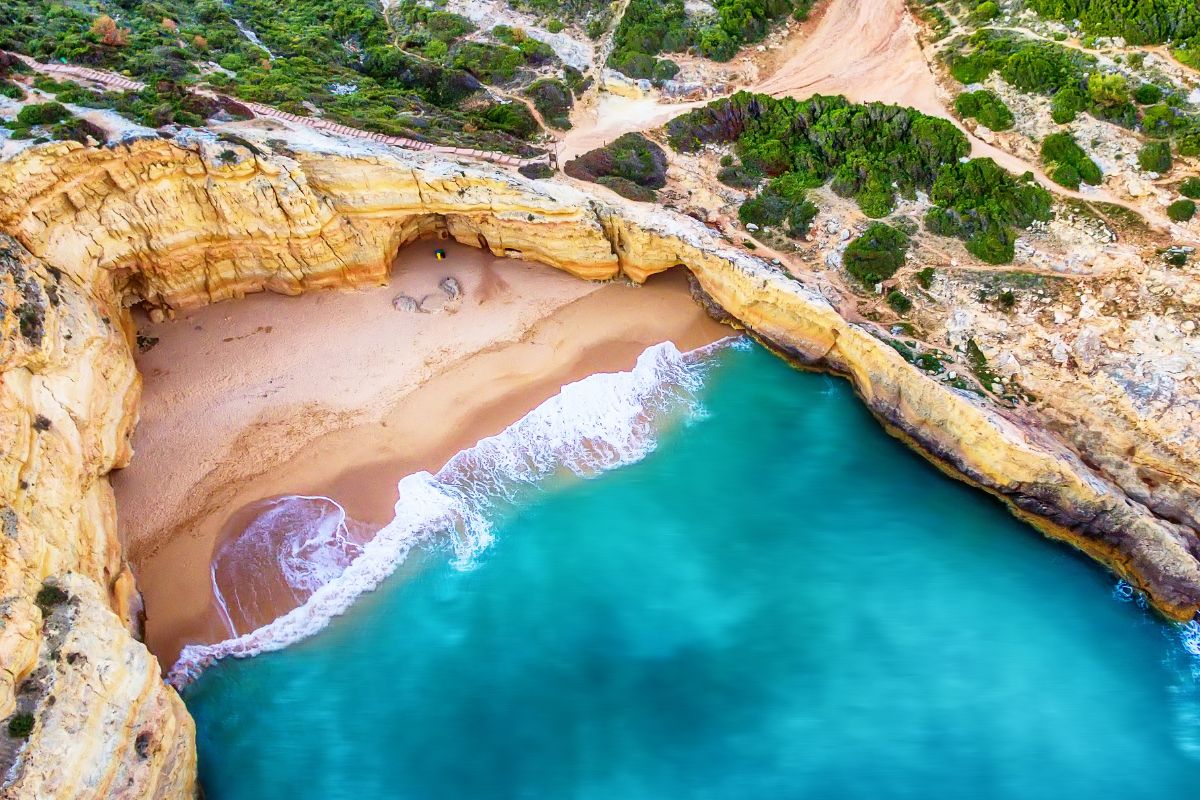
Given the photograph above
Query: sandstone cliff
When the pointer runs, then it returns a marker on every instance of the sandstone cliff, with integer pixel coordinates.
(171, 223)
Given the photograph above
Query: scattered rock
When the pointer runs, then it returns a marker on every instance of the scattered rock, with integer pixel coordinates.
(451, 287)
(405, 303)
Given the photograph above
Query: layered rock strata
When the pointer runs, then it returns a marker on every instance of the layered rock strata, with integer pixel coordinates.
(178, 223)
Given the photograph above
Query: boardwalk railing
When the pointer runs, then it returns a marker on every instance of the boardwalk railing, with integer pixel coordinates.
(114, 81)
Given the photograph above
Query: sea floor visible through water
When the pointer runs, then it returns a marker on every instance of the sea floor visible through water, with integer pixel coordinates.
(778, 601)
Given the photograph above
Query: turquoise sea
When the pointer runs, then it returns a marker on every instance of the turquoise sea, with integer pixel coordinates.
(780, 601)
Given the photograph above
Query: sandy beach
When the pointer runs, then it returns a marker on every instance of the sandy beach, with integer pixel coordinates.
(340, 394)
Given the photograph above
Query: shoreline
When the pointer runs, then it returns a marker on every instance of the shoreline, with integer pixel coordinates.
(353, 444)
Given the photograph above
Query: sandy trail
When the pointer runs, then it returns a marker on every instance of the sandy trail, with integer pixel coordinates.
(339, 394)
(864, 49)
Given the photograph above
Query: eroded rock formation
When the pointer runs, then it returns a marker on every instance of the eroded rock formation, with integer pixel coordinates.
(88, 231)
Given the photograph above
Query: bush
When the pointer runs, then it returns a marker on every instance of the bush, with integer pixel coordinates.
(1067, 162)
(42, 114)
(871, 152)
(1181, 210)
(981, 203)
(511, 118)
(1190, 188)
(1156, 157)
(986, 11)
(553, 100)
(1148, 94)
(1066, 175)
(877, 254)
(539, 170)
(49, 596)
(899, 302)
(1067, 104)
(20, 725)
(986, 107)
(783, 200)
(925, 277)
(631, 157)
(627, 188)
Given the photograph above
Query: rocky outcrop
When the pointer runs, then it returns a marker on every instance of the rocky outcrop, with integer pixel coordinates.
(174, 224)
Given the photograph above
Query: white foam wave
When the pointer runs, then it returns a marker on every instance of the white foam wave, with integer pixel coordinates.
(596, 424)
(303, 538)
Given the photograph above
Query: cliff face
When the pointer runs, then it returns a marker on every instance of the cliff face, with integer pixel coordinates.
(176, 225)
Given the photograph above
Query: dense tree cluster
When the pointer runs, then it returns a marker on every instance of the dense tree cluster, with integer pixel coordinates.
(982, 203)
(650, 28)
(1076, 83)
(1138, 21)
(872, 152)
(1067, 163)
(632, 166)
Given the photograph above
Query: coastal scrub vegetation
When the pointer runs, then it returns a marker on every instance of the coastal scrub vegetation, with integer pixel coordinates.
(52, 120)
(872, 152)
(421, 79)
(650, 28)
(1076, 83)
(20, 725)
(1181, 210)
(1139, 22)
(985, 106)
(877, 254)
(632, 166)
(1067, 163)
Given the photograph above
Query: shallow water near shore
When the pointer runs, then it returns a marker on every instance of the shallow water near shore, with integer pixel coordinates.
(780, 601)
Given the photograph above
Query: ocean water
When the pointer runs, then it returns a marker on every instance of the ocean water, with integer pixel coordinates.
(778, 601)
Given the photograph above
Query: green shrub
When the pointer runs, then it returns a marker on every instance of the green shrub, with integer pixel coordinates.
(899, 302)
(925, 277)
(783, 200)
(1067, 162)
(1181, 210)
(50, 596)
(1139, 22)
(627, 188)
(1148, 94)
(877, 254)
(511, 118)
(1066, 175)
(553, 100)
(981, 203)
(986, 11)
(871, 152)
(1156, 157)
(20, 725)
(987, 107)
(11, 90)
(1067, 104)
(42, 114)
(1190, 188)
(632, 158)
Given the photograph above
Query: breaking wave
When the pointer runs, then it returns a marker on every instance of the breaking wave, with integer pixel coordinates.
(597, 424)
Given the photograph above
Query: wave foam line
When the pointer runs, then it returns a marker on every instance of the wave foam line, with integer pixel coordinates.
(594, 425)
